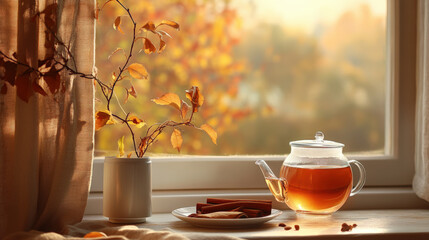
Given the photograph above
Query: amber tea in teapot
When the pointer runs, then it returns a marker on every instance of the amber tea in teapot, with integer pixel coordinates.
(315, 178)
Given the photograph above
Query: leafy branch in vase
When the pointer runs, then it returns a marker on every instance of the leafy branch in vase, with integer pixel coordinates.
(30, 80)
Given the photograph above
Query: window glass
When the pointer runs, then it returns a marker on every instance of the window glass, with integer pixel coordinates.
(271, 72)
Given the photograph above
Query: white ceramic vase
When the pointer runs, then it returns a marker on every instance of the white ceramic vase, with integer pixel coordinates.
(127, 189)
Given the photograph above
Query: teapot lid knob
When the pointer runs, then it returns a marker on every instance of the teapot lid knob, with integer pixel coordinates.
(319, 142)
(319, 136)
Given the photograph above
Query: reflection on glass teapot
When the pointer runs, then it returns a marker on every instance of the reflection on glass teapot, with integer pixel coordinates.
(315, 178)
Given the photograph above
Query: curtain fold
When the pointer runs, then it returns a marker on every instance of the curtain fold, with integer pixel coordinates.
(421, 177)
(46, 145)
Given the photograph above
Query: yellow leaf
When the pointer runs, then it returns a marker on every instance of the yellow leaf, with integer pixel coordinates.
(138, 71)
(169, 99)
(121, 146)
(170, 23)
(117, 24)
(184, 109)
(161, 46)
(162, 33)
(210, 131)
(148, 46)
(114, 52)
(102, 118)
(136, 121)
(176, 139)
(149, 26)
(196, 98)
(129, 155)
(131, 92)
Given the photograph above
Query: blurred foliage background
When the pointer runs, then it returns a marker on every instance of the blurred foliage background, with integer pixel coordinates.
(265, 82)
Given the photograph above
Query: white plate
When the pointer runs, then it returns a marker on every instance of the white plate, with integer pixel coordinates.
(183, 213)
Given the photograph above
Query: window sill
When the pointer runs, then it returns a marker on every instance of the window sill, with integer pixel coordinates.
(371, 224)
(368, 198)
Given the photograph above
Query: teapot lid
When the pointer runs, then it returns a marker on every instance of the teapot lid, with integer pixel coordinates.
(319, 142)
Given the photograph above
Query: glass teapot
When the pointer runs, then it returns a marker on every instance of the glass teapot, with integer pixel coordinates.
(315, 178)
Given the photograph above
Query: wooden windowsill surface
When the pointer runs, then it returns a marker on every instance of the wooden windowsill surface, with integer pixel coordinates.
(371, 224)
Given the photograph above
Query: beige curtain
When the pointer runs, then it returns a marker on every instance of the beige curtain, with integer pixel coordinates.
(421, 178)
(46, 145)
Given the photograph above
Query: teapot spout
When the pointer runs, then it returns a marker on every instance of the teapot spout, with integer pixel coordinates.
(268, 173)
(277, 186)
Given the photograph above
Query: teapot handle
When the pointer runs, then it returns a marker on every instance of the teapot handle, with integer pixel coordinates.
(362, 177)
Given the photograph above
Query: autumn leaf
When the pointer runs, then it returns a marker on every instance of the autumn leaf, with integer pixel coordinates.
(102, 118)
(138, 71)
(24, 87)
(162, 33)
(37, 88)
(9, 72)
(114, 52)
(106, 3)
(131, 92)
(149, 26)
(98, 10)
(169, 99)
(117, 24)
(170, 23)
(143, 145)
(210, 131)
(136, 121)
(53, 80)
(148, 46)
(176, 139)
(184, 109)
(121, 146)
(129, 155)
(161, 46)
(196, 98)
(50, 19)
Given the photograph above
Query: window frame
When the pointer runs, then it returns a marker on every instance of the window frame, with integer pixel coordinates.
(239, 172)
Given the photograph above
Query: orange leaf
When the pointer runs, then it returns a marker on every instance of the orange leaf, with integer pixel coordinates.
(117, 24)
(138, 71)
(169, 99)
(148, 46)
(129, 155)
(102, 118)
(170, 23)
(196, 98)
(136, 121)
(149, 26)
(184, 109)
(161, 46)
(176, 139)
(210, 131)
